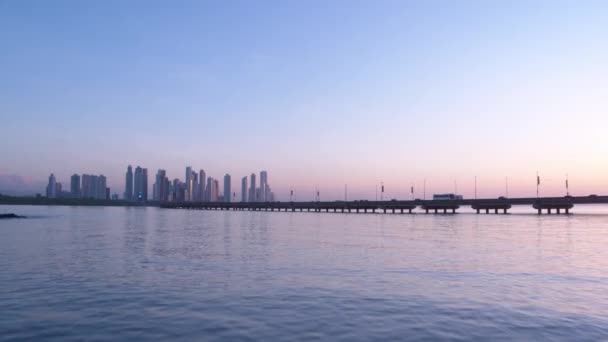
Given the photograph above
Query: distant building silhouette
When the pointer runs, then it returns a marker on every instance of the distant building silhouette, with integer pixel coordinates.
(161, 186)
(51, 188)
(263, 186)
(202, 179)
(252, 191)
(140, 181)
(244, 189)
(129, 184)
(75, 186)
(227, 188)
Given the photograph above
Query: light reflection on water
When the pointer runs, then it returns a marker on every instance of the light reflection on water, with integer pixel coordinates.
(73, 273)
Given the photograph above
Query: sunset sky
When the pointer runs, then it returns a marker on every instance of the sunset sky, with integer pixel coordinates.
(318, 93)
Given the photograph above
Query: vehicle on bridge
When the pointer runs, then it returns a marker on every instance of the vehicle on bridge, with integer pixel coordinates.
(443, 197)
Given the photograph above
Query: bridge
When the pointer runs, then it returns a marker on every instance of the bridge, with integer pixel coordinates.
(489, 205)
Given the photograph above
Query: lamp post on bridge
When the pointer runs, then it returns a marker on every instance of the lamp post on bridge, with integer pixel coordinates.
(475, 187)
(537, 184)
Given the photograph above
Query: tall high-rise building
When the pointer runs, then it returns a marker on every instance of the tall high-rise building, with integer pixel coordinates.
(208, 189)
(51, 188)
(75, 186)
(227, 188)
(161, 186)
(89, 186)
(140, 181)
(101, 188)
(263, 184)
(202, 179)
(252, 185)
(244, 189)
(215, 194)
(129, 184)
(86, 186)
(189, 183)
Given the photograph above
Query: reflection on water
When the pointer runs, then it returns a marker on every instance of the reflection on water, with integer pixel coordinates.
(78, 273)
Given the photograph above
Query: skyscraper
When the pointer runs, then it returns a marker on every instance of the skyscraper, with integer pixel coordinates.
(244, 189)
(202, 178)
(263, 184)
(141, 184)
(51, 188)
(75, 186)
(208, 189)
(215, 194)
(101, 192)
(252, 197)
(129, 184)
(161, 186)
(189, 183)
(227, 188)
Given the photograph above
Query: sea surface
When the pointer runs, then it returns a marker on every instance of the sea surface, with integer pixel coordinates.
(145, 274)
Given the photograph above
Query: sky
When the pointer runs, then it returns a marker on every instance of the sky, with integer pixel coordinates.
(318, 93)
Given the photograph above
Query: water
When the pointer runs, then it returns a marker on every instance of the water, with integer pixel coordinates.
(85, 273)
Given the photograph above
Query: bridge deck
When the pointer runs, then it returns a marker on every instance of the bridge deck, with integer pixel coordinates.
(397, 206)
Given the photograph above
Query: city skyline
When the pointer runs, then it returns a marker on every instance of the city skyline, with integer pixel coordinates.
(398, 92)
(211, 189)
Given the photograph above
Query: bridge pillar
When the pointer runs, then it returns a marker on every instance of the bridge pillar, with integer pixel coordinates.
(487, 211)
(548, 210)
(477, 211)
(495, 210)
(426, 211)
(410, 211)
(435, 210)
(385, 210)
(567, 211)
(453, 211)
(504, 211)
(402, 210)
(445, 210)
(539, 211)
(558, 211)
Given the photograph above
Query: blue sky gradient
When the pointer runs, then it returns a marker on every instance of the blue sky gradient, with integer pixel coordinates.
(319, 93)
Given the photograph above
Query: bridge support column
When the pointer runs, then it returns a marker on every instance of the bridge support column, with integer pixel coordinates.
(445, 210)
(504, 211)
(477, 211)
(426, 211)
(385, 210)
(539, 211)
(402, 210)
(567, 211)
(453, 211)
(495, 210)
(410, 211)
(558, 211)
(487, 211)
(435, 211)
(549, 211)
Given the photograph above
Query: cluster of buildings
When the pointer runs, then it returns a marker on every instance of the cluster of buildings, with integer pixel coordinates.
(196, 187)
(85, 186)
